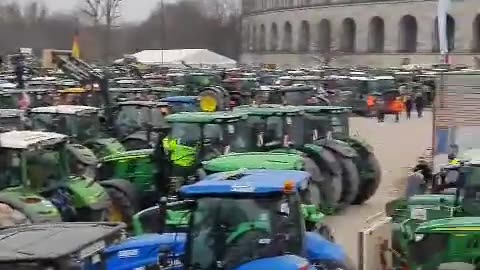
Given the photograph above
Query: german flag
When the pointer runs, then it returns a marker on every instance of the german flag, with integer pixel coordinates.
(76, 45)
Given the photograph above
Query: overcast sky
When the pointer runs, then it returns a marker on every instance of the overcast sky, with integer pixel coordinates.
(132, 10)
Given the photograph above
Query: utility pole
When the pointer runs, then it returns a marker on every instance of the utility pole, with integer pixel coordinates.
(163, 30)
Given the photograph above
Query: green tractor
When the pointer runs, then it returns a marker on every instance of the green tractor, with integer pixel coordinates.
(278, 130)
(334, 164)
(36, 182)
(192, 138)
(81, 123)
(445, 220)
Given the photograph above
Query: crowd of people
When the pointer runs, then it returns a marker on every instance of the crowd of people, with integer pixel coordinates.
(406, 102)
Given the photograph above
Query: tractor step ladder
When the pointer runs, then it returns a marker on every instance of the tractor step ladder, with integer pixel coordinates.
(375, 243)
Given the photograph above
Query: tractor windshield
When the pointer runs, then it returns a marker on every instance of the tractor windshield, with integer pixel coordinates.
(11, 168)
(235, 135)
(227, 232)
(133, 118)
(8, 102)
(11, 123)
(430, 249)
(298, 98)
(83, 126)
(271, 129)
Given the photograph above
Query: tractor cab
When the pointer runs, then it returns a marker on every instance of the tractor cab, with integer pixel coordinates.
(36, 180)
(79, 96)
(11, 119)
(252, 217)
(58, 246)
(7, 101)
(302, 95)
(448, 243)
(203, 136)
(135, 122)
(240, 90)
(81, 123)
(275, 126)
(326, 122)
(31, 97)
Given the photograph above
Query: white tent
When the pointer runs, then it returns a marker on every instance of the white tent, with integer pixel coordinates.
(192, 57)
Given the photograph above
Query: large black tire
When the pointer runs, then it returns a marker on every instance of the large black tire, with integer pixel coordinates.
(369, 186)
(350, 179)
(124, 199)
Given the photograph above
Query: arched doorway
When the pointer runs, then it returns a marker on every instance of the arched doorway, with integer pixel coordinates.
(376, 35)
(450, 34)
(324, 36)
(254, 38)
(347, 39)
(408, 34)
(304, 37)
(476, 34)
(287, 37)
(262, 38)
(274, 37)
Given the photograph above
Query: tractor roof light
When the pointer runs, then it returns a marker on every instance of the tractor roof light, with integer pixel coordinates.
(289, 187)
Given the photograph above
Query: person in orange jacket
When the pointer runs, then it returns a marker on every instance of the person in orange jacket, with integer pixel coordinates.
(397, 108)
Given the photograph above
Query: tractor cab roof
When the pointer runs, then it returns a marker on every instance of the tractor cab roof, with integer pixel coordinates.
(297, 88)
(258, 182)
(181, 99)
(206, 117)
(50, 242)
(65, 109)
(27, 139)
(143, 103)
(11, 113)
(270, 110)
(326, 109)
(448, 225)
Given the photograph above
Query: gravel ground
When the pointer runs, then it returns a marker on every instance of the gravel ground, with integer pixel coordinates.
(397, 146)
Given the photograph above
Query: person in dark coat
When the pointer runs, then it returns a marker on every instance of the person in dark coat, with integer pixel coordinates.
(408, 105)
(419, 104)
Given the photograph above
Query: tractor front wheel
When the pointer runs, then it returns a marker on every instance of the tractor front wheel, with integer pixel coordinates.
(121, 208)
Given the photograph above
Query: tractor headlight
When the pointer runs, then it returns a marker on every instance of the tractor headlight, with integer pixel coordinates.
(419, 237)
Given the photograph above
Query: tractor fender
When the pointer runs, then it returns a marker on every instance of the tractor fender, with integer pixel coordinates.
(317, 248)
(124, 186)
(359, 144)
(338, 146)
(82, 154)
(41, 212)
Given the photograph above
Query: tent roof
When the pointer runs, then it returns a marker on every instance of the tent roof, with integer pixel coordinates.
(189, 56)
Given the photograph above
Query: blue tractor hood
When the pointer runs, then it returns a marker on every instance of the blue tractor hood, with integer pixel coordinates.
(144, 250)
(318, 248)
(286, 262)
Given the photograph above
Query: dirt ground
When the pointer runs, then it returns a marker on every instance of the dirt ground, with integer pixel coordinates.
(397, 146)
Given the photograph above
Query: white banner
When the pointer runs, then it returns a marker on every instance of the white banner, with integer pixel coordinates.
(442, 12)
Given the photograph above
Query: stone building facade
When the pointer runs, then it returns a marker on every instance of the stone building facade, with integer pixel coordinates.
(356, 32)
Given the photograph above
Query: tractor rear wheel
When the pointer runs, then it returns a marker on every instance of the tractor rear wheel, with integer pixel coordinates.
(350, 179)
(369, 186)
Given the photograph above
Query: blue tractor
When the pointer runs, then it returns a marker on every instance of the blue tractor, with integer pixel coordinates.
(250, 219)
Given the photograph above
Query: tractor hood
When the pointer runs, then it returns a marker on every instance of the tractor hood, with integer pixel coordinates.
(88, 193)
(32, 205)
(142, 250)
(447, 225)
(286, 262)
(254, 160)
(133, 154)
(431, 199)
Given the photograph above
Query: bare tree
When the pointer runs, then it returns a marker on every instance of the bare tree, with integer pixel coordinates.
(93, 10)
